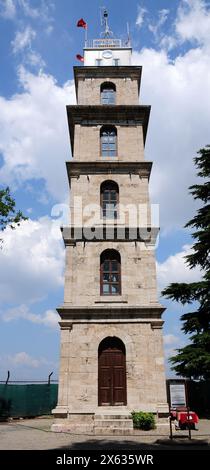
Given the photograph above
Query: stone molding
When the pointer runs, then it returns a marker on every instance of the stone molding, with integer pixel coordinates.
(99, 115)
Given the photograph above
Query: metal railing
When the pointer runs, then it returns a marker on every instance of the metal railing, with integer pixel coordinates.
(107, 42)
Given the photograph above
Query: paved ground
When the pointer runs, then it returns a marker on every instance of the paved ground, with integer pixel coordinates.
(35, 434)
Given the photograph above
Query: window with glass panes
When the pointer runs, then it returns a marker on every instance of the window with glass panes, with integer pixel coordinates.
(109, 199)
(108, 141)
(108, 91)
(110, 273)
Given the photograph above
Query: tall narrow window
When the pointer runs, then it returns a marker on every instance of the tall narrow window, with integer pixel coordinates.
(108, 92)
(109, 199)
(108, 136)
(110, 267)
(116, 61)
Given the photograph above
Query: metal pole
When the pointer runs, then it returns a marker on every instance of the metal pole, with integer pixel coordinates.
(188, 409)
(86, 35)
(49, 377)
(8, 376)
(171, 432)
(188, 422)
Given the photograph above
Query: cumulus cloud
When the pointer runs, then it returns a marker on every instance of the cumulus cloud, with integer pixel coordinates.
(179, 126)
(48, 318)
(7, 9)
(31, 261)
(23, 359)
(177, 89)
(34, 140)
(175, 269)
(193, 21)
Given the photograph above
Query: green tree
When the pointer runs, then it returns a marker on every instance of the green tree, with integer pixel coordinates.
(8, 214)
(193, 360)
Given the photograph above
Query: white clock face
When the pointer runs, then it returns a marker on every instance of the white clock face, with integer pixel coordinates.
(107, 54)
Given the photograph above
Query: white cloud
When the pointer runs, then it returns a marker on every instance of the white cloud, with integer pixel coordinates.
(179, 126)
(49, 318)
(7, 9)
(23, 44)
(162, 17)
(193, 21)
(24, 359)
(175, 269)
(28, 10)
(31, 261)
(140, 17)
(34, 59)
(34, 140)
(23, 39)
(170, 339)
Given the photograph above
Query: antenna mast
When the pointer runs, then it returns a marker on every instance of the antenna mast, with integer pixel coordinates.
(104, 22)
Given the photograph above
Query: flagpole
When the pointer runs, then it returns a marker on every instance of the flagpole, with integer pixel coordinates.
(86, 35)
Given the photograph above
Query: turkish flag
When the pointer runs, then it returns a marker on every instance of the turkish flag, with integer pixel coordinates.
(79, 57)
(82, 24)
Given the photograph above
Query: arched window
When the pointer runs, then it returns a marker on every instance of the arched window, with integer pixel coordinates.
(108, 136)
(108, 93)
(109, 199)
(110, 268)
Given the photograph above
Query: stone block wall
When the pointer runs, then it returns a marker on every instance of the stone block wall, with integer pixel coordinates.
(82, 276)
(78, 390)
(126, 91)
(130, 144)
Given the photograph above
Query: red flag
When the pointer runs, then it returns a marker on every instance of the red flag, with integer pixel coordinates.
(82, 24)
(79, 57)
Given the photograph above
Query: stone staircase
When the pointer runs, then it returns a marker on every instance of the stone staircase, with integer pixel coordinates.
(113, 423)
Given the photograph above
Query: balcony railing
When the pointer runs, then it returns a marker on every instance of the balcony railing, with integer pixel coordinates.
(106, 42)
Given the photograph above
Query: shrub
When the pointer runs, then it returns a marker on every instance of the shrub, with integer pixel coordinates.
(142, 420)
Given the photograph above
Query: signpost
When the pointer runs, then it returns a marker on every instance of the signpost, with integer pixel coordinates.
(178, 405)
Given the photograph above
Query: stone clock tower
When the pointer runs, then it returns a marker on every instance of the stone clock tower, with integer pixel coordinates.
(111, 359)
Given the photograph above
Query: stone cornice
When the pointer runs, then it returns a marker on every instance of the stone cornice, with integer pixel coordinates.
(104, 72)
(77, 168)
(110, 114)
(118, 233)
(116, 313)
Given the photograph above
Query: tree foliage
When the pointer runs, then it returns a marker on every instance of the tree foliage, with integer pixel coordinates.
(8, 214)
(193, 360)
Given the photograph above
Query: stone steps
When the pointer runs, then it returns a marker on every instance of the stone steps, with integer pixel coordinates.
(112, 423)
(113, 431)
(119, 423)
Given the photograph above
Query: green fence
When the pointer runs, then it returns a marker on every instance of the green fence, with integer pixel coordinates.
(27, 400)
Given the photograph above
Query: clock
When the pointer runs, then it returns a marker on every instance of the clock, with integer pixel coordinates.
(107, 54)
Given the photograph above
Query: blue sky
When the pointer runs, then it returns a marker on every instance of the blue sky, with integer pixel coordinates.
(39, 43)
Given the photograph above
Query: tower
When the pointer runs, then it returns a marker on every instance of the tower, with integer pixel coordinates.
(111, 328)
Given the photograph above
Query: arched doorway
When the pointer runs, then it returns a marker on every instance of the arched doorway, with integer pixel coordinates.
(111, 372)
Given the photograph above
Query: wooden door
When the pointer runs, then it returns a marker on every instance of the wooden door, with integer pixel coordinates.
(111, 373)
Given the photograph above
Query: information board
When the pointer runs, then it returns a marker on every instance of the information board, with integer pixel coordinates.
(177, 395)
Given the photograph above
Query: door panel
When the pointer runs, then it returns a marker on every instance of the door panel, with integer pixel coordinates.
(105, 385)
(112, 377)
